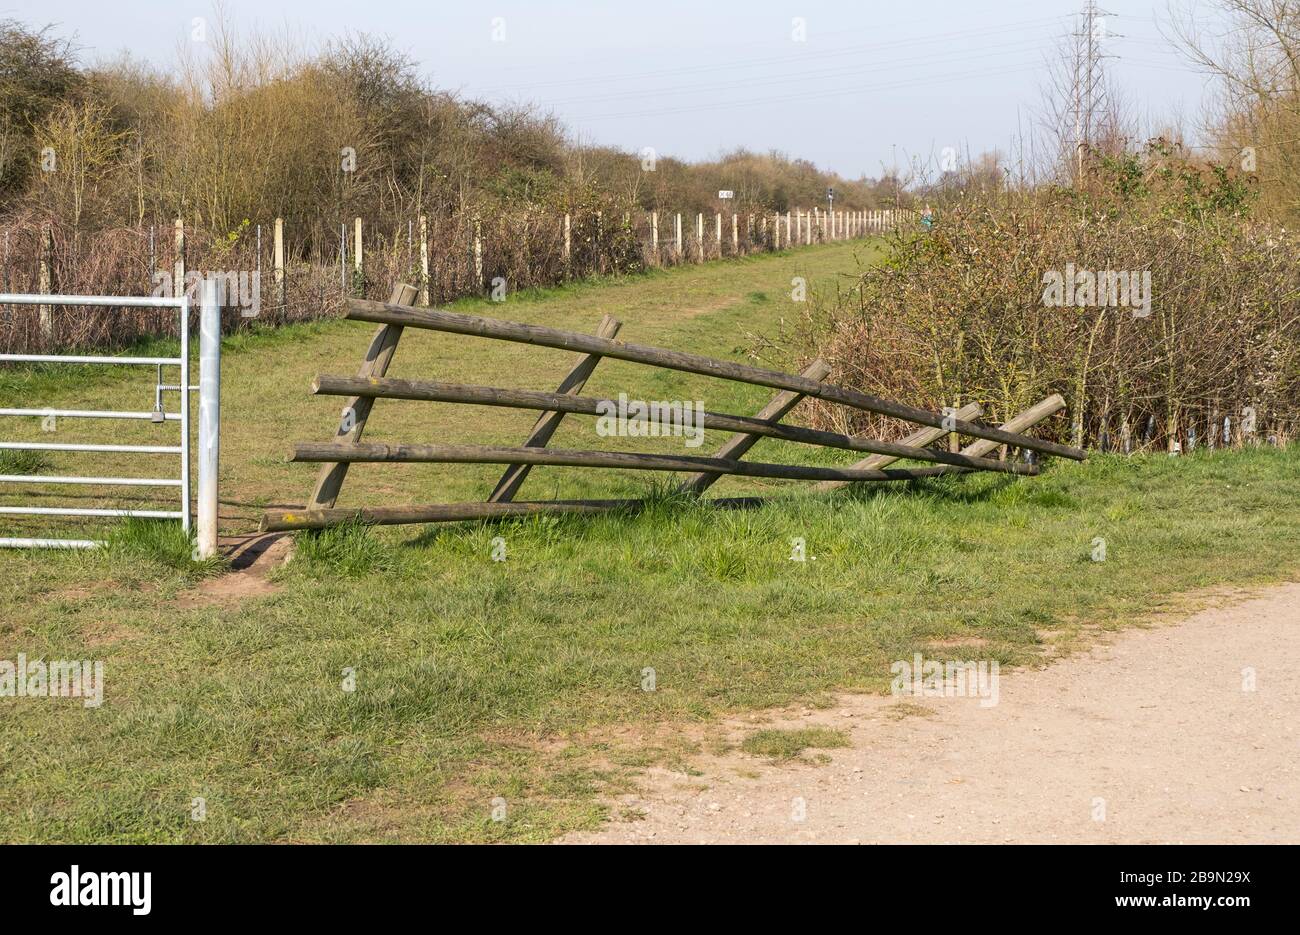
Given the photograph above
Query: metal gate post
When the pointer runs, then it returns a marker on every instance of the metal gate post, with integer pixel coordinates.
(209, 417)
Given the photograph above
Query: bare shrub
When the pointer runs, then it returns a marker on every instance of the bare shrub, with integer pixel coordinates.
(962, 314)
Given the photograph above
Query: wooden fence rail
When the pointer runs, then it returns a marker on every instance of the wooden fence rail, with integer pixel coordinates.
(762, 425)
(491, 454)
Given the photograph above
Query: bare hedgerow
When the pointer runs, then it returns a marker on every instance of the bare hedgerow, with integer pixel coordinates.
(959, 314)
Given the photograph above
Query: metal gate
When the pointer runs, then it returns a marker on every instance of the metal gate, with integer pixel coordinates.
(208, 389)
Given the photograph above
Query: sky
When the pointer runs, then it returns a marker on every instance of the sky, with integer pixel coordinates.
(856, 87)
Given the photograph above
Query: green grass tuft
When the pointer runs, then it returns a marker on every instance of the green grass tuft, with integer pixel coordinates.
(350, 550)
(24, 462)
(788, 744)
(161, 542)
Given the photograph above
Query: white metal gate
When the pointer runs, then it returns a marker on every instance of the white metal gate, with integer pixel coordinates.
(209, 421)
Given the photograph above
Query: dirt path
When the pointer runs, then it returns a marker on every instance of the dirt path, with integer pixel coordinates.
(1149, 738)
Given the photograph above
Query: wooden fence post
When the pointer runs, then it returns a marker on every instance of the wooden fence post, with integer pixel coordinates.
(568, 239)
(699, 235)
(717, 231)
(1020, 423)
(677, 246)
(788, 239)
(478, 253)
(654, 236)
(548, 422)
(424, 261)
(45, 313)
(277, 260)
(736, 446)
(358, 254)
(178, 269)
(735, 239)
(329, 480)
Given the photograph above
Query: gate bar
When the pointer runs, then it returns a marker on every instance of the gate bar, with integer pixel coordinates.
(88, 414)
(113, 301)
(83, 359)
(85, 511)
(106, 481)
(48, 544)
(67, 446)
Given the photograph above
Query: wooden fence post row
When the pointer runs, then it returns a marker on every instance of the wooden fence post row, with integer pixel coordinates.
(810, 226)
(371, 383)
(798, 224)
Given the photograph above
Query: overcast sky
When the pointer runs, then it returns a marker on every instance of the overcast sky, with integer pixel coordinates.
(871, 84)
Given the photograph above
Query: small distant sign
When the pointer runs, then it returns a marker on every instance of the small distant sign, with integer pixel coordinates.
(726, 193)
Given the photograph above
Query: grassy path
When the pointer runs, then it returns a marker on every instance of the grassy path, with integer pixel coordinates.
(601, 645)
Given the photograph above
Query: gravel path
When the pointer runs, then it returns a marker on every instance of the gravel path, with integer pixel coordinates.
(1155, 736)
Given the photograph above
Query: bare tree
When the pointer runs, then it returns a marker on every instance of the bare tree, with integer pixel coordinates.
(1255, 57)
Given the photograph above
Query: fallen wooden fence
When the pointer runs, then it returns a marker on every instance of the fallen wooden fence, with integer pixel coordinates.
(455, 323)
(371, 383)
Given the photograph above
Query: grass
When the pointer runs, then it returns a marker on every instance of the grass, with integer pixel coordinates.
(788, 744)
(400, 681)
(24, 462)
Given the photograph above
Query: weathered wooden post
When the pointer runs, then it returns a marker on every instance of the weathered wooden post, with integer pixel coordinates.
(478, 252)
(738, 444)
(699, 236)
(45, 313)
(548, 421)
(654, 236)
(735, 240)
(357, 252)
(356, 410)
(424, 261)
(568, 240)
(178, 268)
(277, 259)
(717, 231)
(677, 245)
